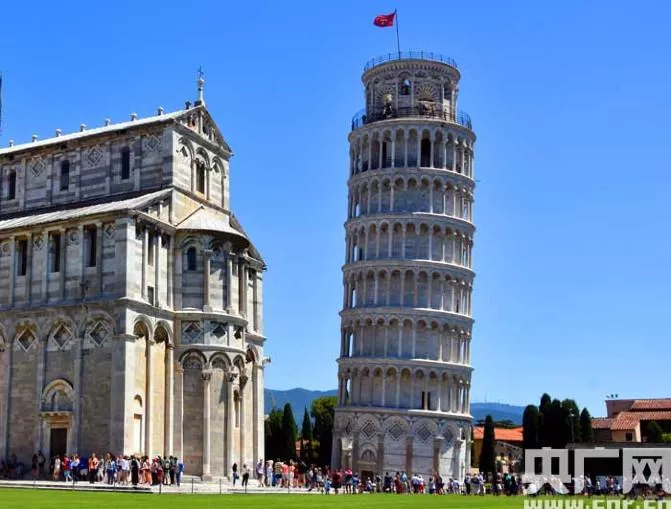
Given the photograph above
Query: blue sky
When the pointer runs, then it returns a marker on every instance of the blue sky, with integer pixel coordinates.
(570, 105)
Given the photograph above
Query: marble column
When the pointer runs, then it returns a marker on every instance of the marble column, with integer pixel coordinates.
(148, 399)
(229, 282)
(41, 360)
(5, 385)
(157, 270)
(46, 246)
(99, 258)
(207, 255)
(29, 269)
(63, 266)
(145, 247)
(169, 399)
(207, 401)
(179, 411)
(408, 454)
(229, 378)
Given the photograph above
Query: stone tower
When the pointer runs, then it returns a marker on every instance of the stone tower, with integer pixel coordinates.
(404, 368)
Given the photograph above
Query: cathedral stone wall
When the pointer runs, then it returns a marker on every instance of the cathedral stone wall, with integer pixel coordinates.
(131, 314)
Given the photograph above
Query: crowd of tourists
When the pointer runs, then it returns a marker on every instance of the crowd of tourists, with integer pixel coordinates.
(297, 475)
(108, 469)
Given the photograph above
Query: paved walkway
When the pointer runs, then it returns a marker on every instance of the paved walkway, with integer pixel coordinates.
(188, 486)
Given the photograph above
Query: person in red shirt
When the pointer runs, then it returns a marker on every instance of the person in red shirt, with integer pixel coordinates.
(93, 468)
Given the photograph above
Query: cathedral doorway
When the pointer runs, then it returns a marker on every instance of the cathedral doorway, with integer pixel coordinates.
(58, 442)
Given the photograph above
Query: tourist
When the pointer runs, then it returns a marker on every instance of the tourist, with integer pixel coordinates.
(270, 478)
(34, 469)
(180, 471)
(355, 483)
(245, 475)
(75, 466)
(41, 460)
(172, 469)
(146, 471)
(56, 475)
(110, 469)
(93, 468)
(259, 473)
(67, 468)
(235, 473)
(134, 471)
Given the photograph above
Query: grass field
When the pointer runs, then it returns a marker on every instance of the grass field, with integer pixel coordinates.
(43, 499)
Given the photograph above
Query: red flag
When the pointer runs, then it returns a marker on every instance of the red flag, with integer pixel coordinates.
(384, 20)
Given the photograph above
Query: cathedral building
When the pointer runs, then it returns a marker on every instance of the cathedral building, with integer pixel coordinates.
(405, 367)
(131, 309)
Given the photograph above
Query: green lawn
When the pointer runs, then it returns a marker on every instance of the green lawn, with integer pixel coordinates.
(43, 499)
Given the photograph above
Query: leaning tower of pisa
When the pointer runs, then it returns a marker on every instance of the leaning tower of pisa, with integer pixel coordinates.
(404, 369)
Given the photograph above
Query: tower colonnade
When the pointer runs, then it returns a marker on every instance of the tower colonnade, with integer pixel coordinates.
(405, 347)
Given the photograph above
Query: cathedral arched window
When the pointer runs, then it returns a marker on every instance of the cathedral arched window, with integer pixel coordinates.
(191, 259)
(200, 177)
(11, 185)
(125, 163)
(404, 89)
(65, 175)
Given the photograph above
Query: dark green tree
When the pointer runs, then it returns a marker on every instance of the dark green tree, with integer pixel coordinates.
(487, 463)
(274, 434)
(572, 420)
(586, 434)
(545, 421)
(654, 433)
(531, 427)
(289, 433)
(306, 437)
(559, 429)
(322, 411)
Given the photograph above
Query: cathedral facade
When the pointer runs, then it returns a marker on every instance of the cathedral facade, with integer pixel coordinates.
(131, 309)
(404, 369)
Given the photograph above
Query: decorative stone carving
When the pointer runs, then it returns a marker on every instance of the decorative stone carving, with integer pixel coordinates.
(72, 237)
(61, 336)
(93, 156)
(109, 230)
(26, 340)
(192, 362)
(98, 332)
(37, 166)
(151, 143)
(38, 243)
(192, 333)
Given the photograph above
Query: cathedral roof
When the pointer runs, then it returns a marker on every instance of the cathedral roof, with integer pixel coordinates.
(121, 126)
(211, 220)
(65, 214)
(92, 132)
(207, 219)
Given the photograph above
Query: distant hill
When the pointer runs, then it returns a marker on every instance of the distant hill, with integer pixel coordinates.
(498, 411)
(299, 399)
(302, 398)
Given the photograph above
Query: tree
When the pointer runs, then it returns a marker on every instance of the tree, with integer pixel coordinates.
(531, 427)
(323, 411)
(654, 433)
(545, 431)
(274, 434)
(306, 437)
(559, 429)
(586, 434)
(572, 418)
(487, 463)
(289, 433)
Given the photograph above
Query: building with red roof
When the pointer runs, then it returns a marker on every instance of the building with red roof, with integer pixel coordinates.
(627, 419)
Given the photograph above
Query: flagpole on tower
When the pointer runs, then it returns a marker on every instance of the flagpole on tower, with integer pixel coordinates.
(398, 42)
